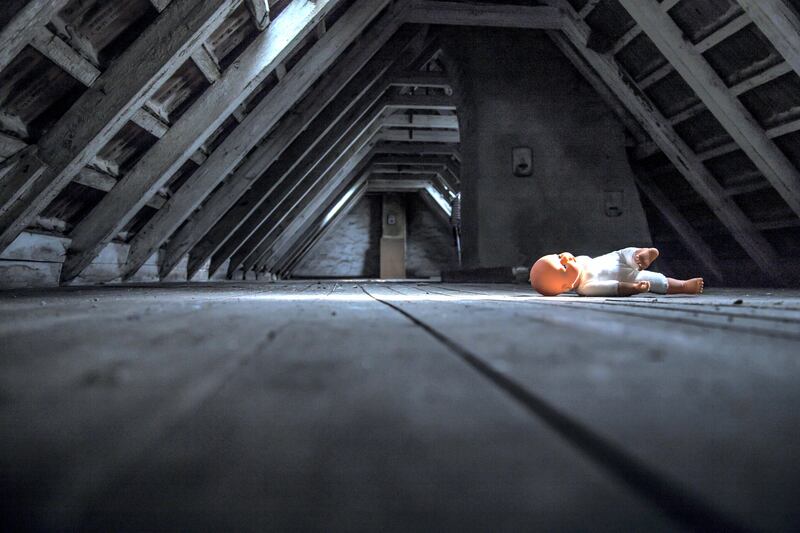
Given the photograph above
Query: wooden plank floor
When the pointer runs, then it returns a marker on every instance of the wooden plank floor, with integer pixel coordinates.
(397, 406)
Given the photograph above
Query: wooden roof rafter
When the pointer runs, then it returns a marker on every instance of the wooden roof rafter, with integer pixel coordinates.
(266, 115)
(218, 102)
(674, 147)
(718, 99)
(324, 132)
(104, 109)
(293, 141)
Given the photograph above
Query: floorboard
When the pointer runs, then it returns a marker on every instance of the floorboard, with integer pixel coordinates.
(364, 405)
(272, 407)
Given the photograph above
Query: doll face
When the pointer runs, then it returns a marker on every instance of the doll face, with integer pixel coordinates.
(554, 274)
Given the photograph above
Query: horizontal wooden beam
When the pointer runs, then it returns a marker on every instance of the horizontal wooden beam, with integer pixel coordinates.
(439, 122)
(484, 14)
(436, 80)
(412, 135)
(418, 148)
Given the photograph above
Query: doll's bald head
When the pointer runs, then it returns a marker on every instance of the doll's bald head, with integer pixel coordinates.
(553, 274)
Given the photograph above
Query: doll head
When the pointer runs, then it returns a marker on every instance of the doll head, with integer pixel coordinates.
(553, 274)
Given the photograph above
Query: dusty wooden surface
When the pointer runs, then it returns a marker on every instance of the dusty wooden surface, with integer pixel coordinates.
(397, 406)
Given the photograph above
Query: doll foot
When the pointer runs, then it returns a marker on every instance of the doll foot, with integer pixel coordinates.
(694, 286)
(644, 257)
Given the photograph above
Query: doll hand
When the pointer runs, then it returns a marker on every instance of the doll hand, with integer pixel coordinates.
(642, 286)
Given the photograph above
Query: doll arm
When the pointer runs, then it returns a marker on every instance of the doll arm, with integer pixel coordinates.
(599, 288)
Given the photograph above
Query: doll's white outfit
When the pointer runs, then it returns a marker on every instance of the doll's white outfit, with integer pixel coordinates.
(600, 276)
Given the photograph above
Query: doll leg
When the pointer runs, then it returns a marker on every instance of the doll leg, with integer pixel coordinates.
(688, 286)
(644, 257)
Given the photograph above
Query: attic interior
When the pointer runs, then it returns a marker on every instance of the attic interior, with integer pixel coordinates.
(264, 265)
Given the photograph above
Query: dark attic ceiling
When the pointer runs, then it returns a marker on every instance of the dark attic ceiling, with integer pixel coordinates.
(232, 134)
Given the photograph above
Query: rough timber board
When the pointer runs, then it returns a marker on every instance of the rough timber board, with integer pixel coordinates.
(246, 420)
(700, 388)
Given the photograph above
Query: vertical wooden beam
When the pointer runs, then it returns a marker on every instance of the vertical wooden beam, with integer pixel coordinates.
(152, 171)
(718, 98)
(675, 148)
(780, 24)
(250, 131)
(19, 20)
(104, 109)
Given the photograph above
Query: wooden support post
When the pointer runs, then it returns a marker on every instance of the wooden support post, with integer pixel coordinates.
(675, 148)
(105, 108)
(712, 91)
(21, 19)
(185, 136)
(685, 232)
(462, 14)
(780, 24)
(314, 120)
(246, 136)
(393, 238)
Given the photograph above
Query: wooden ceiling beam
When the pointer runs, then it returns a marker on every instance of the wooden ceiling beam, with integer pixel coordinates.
(419, 148)
(411, 135)
(428, 79)
(438, 122)
(780, 24)
(104, 108)
(484, 14)
(210, 110)
(674, 147)
(247, 135)
(720, 101)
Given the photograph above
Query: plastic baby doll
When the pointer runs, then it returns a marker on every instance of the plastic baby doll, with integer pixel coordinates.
(620, 273)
